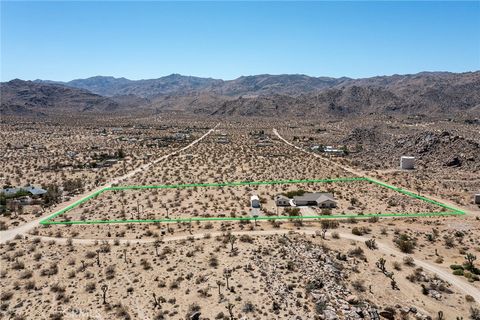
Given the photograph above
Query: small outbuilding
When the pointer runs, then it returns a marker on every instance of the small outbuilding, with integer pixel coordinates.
(407, 162)
(477, 198)
(255, 201)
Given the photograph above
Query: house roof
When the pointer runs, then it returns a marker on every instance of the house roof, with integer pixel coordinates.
(315, 196)
(33, 190)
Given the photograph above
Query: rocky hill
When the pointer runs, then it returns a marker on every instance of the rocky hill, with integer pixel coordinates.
(24, 98)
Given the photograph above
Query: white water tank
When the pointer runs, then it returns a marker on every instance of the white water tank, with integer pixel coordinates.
(407, 162)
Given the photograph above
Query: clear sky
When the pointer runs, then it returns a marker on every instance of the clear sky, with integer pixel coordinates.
(69, 40)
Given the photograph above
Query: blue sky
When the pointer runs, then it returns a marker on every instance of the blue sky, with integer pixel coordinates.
(68, 40)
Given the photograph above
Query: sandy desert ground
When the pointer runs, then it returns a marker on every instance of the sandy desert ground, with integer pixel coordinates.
(398, 268)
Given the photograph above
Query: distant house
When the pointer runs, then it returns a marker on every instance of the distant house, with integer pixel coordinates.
(317, 199)
(332, 150)
(180, 136)
(34, 191)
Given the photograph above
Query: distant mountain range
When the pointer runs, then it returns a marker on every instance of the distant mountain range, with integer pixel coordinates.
(260, 95)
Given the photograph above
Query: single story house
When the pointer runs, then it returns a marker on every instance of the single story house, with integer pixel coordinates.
(34, 191)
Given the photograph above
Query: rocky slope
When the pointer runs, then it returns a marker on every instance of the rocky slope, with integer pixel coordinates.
(23, 98)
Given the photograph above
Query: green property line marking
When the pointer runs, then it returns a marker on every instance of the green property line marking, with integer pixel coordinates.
(453, 211)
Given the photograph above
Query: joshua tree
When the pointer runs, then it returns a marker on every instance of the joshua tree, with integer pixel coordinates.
(227, 273)
(219, 284)
(98, 257)
(104, 289)
(371, 244)
(83, 264)
(393, 283)
(230, 307)
(381, 265)
(232, 240)
(470, 259)
(324, 231)
(440, 315)
(156, 302)
(156, 244)
(125, 255)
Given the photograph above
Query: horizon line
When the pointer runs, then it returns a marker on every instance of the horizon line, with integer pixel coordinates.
(246, 76)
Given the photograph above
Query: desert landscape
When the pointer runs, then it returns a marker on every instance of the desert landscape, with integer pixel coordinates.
(392, 267)
(239, 160)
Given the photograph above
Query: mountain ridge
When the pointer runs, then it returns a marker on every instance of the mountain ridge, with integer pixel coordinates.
(259, 95)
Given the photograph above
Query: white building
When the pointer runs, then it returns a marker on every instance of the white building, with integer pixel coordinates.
(407, 163)
(255, 201)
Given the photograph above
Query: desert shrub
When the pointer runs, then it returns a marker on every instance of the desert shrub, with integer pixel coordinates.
(320, 306)
(90, 287)
(405, 243)
(27, 274)
(6, 295)
(359, 285)
(397, 265)
(30, 285)
(408, 261)
(371, 244)
(110, 272)
(18, 265)
(213, 262)
(456, 267)
(246, 238)
(449, 242)
(192, 308)
(314, 284)
(458, 272)
(292, 212)
(474, 313)
(50, 271)
(360, 231)
(355, 252)
(248, 307)
(90, 255)
(329, 224)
